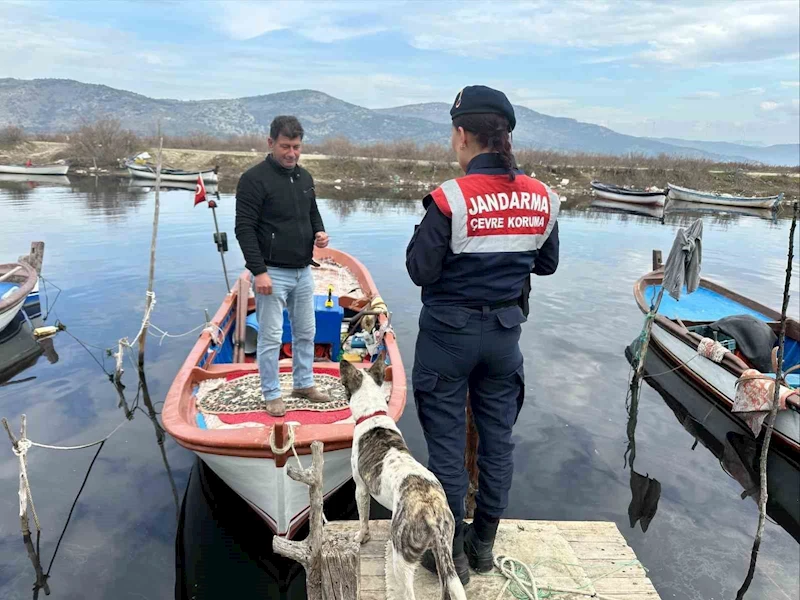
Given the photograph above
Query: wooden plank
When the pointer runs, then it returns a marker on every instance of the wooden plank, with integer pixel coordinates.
(604, 551)
(567, 554)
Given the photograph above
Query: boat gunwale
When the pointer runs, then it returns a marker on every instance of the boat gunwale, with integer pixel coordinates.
(25, 288)
(731, 363)
(178, 412)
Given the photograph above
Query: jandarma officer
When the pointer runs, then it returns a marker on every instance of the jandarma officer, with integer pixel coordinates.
(482, 236)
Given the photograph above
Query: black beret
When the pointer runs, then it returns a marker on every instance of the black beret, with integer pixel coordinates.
(481, 99)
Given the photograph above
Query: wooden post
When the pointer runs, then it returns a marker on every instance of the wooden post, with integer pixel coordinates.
(773, 413)
(471, 461)
(143, 337)
(657, 264)
(340, 568)
(242, 293)
(36, 256)
(33, 555)
(308, 552)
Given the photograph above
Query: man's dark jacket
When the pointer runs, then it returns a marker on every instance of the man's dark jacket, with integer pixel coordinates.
(276, 216)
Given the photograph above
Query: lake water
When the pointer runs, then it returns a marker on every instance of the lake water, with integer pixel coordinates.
(571, 434)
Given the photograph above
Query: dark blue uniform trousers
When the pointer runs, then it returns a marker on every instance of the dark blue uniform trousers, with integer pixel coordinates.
(476, 349)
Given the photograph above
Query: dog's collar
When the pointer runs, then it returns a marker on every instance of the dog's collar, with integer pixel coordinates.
(379, 413)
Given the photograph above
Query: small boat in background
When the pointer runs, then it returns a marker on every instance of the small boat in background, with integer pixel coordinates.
(652, 196)
(34, 180)
(676, 192)
(148, 171)
(52, 169)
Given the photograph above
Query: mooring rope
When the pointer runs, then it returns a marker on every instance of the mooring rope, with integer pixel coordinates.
(289, 445)
(520, 574)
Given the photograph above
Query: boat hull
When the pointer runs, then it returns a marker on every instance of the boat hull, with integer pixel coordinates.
(680, 193)
(644, 200)
(20, 280)
(208, 176)
(281, 501)
(716, 379)
(43, 170)
(8, 315)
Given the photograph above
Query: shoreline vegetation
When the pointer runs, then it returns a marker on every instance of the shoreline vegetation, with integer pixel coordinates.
(404, 167)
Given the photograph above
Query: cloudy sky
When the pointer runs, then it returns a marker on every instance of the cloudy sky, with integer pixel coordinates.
(707, 69)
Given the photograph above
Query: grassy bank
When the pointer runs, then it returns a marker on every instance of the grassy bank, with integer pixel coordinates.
(404, 168)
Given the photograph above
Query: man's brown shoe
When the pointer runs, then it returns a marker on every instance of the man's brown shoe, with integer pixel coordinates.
(276, 408)
(311, 393)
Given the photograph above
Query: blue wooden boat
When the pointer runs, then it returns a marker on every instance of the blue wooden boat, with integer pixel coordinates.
(679, 326)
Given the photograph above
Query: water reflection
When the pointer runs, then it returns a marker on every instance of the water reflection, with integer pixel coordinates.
(223, 549)
(727, 438)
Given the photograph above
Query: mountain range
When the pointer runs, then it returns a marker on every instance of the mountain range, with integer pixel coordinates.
(57, 105)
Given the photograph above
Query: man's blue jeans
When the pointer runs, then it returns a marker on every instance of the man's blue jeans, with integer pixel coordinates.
(292, 289)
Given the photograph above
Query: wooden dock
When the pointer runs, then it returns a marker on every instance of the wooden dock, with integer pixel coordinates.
(590, 556)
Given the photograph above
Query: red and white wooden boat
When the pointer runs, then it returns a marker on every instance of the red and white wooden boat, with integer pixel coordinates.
(251, 451)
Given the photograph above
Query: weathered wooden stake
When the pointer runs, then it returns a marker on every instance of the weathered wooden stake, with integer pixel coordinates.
(143, 337)
(340, 566)
(243, 292)
(36, 256)
(33, 555)
(308, 552)
(657, 263)
(773, 413)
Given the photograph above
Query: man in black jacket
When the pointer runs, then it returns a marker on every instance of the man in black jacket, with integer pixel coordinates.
(278, 225)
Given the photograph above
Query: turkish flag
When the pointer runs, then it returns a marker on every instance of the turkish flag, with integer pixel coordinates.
(199, 191)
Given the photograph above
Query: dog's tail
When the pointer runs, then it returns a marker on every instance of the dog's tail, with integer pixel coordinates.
(452, 589)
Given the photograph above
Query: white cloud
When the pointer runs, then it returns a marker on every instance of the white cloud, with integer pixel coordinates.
(756, 91)
(680, 33)
(702, 95)
(769, 106)
(318, 21)
(790, 84)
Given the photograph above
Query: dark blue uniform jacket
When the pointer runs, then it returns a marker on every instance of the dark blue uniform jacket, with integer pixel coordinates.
(473, 279)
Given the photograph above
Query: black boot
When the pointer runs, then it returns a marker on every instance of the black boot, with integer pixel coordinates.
(479, 541)
(459, 558)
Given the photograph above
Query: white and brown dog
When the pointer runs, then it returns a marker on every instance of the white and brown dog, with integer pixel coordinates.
(384, 469)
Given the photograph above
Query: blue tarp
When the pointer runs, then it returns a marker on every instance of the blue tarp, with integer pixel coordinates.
(701, 305)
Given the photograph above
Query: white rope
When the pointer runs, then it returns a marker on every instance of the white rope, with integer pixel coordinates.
(29, 443)
(25, 497)
(146, 319)
(509, 567)
(21, 451)
(214, 330)
(289, 446)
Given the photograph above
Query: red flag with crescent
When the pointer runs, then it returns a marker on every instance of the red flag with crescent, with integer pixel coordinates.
(199, 191)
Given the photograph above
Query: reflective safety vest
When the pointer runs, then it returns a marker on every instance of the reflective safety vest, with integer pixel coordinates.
(490, 213)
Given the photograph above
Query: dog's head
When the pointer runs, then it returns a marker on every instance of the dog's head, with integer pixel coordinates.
(364, 387)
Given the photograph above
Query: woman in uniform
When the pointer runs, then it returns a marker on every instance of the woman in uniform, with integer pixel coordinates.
(473, 253)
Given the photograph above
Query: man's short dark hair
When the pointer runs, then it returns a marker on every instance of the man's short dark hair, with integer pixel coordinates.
(286, 125)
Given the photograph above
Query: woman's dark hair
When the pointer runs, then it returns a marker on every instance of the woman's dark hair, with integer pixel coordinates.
(491, 131)
(286, 125)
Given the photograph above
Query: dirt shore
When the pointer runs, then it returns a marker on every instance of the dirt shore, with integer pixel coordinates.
(412, 178)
